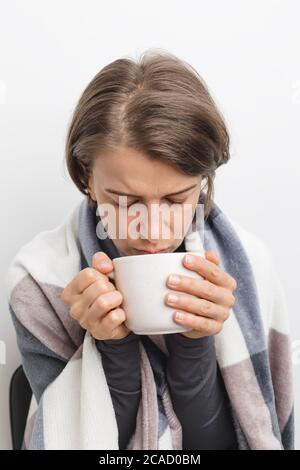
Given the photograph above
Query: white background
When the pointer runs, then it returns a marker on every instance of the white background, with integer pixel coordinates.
(247, 52)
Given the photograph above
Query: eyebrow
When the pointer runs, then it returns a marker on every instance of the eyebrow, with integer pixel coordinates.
(120, 193)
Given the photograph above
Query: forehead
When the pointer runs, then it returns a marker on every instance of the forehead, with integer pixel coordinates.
(131, 171)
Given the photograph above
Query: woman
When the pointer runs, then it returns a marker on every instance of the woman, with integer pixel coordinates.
(149, 132)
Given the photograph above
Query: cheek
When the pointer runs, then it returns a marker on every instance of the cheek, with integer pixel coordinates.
(127, 229)
(122, 246)
(181, 220)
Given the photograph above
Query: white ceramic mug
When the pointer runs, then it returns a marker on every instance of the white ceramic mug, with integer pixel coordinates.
(142, 280)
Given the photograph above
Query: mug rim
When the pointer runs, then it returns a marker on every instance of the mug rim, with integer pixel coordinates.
(150, 255)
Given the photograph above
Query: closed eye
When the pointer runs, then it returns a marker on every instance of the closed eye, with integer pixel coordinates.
(171, 201)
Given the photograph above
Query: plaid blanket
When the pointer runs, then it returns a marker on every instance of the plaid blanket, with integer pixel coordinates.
(73, 407)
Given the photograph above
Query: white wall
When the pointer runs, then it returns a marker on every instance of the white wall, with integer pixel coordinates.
(248, 53)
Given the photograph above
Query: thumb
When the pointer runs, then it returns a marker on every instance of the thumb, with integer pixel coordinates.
(101, 262)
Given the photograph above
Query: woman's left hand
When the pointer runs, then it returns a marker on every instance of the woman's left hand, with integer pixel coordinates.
(203, 303)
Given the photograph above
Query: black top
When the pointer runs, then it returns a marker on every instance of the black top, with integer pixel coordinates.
(194, 380)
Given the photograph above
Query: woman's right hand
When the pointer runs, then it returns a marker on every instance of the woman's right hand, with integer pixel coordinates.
(95, 302)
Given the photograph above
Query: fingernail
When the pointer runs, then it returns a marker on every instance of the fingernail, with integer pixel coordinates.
(172, 298)
(179, 316)
(190, 259)
(174, 280)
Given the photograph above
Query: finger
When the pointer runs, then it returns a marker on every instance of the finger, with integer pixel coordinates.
(102, 262)
(193, 304)
(90, 294)
(212, 256)
(207, 326)
(103, 304)
(84, 279)
(209, 271)
(112, 321)
(202, 288)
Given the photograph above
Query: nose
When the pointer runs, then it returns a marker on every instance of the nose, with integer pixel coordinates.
(154, 227)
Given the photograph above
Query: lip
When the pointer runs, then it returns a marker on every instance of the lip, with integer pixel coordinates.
(152, 252)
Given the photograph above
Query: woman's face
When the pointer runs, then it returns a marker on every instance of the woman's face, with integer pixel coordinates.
(165, 217)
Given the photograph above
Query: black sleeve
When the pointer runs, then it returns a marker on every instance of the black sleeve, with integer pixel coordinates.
(121, 364)
(198, 394)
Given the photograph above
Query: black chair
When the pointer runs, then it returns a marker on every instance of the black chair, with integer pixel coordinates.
(20, 395)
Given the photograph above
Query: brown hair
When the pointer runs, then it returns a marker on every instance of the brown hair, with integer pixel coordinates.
(158, 105)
